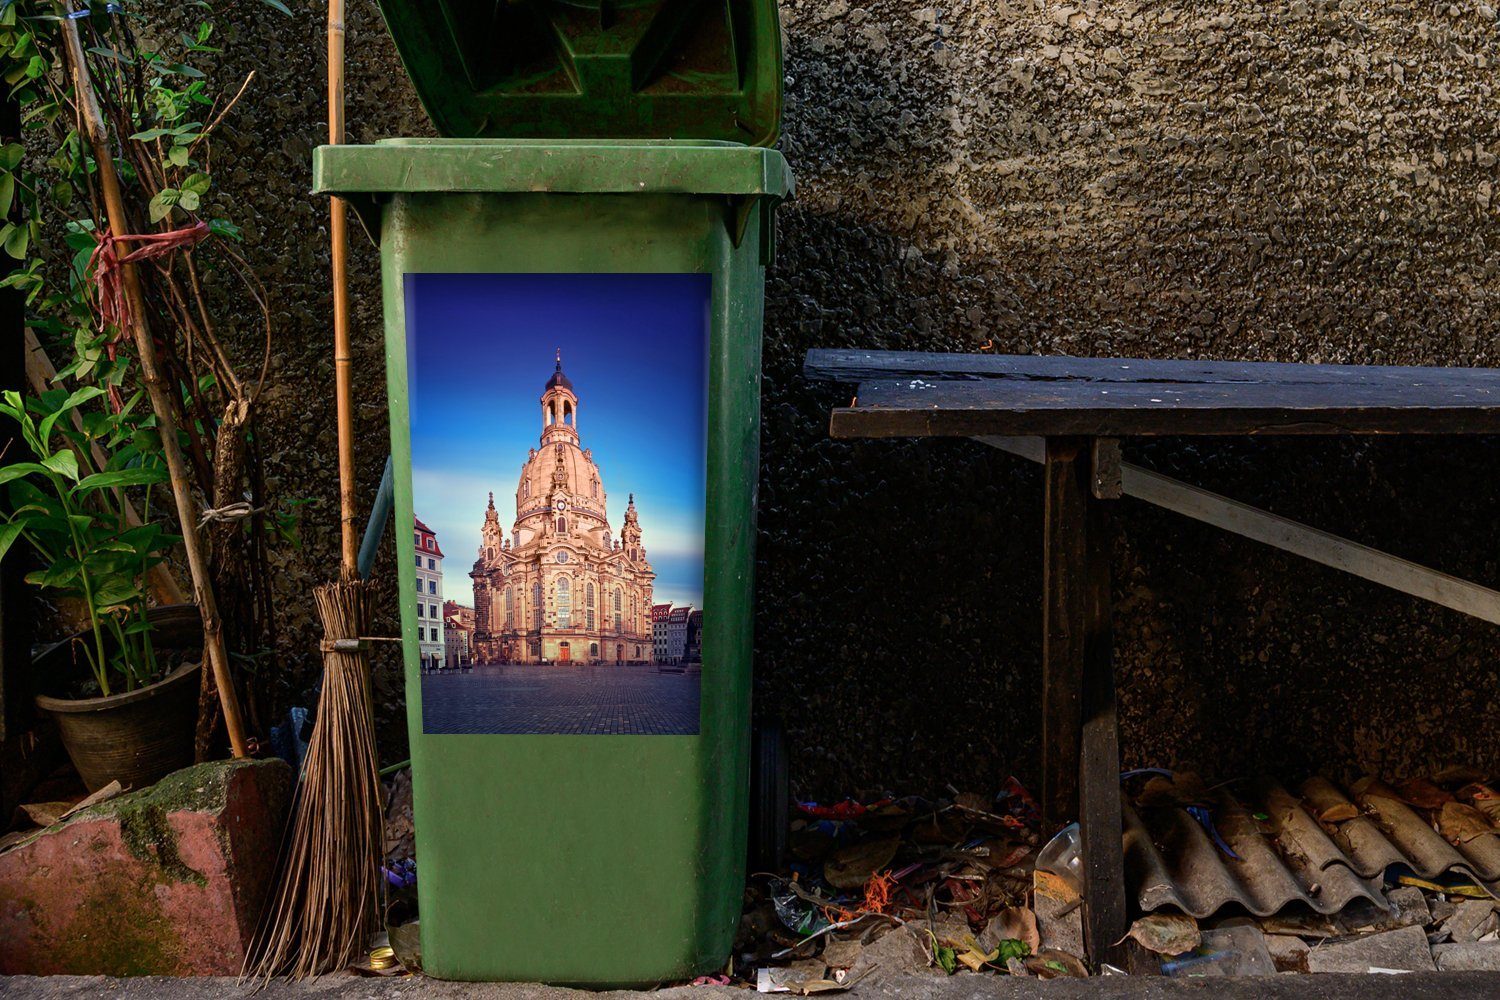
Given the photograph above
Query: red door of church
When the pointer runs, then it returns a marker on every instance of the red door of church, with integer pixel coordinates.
(564, 653)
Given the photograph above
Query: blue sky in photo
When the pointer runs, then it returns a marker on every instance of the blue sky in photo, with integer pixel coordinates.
(482, 346)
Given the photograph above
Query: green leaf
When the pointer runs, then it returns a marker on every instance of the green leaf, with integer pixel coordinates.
(11, 155)
(177, 156)
(64, 463)
(188, 201)
(9, 532)
(161, 205)
(19, 469)
(7, 191)
(277, 5)
(115, 593)
(58, 574)
(17, 240)
(223, 227)
(121, 477)
(198, 183)
(77, 398)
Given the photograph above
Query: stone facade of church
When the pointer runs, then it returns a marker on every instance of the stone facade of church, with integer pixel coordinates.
(561, 587)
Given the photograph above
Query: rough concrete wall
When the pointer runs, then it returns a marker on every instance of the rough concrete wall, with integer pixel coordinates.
(1298, 181)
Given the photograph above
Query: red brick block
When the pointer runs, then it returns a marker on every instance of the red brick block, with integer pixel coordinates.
(166, 881)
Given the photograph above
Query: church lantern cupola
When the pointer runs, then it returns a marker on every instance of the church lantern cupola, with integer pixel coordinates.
(559, 408)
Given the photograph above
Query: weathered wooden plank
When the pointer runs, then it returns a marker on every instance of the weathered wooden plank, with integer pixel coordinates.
(921, 408)
(1312, 543)
(1101, 826)
(1064, 627)
(865, 366)
(1291, 536)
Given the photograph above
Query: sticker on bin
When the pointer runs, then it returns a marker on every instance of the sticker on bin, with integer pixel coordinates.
(558, 426)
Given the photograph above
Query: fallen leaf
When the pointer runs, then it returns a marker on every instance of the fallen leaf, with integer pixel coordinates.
(1459, 823)
(104, 794)
(1052, 964)
(851, 867)
(1166, 933)
(1423, 794)
(1014, 923)
(1338, 812)
(45, 813)
(1484, 798)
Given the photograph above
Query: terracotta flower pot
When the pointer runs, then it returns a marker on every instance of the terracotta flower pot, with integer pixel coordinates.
(136, 737)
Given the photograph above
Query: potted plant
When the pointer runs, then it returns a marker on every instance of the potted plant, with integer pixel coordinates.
(125, 705)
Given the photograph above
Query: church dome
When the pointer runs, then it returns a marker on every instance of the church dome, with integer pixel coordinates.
(579, 472)
(558, 378)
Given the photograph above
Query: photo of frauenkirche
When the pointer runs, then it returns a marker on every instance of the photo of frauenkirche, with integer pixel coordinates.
(560, 586)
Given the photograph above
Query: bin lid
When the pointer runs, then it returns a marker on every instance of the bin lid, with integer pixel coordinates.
(573, 69)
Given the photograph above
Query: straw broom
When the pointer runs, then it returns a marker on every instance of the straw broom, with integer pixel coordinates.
(327, 899)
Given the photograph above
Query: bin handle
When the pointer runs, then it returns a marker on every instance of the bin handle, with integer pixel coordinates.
(380, 513)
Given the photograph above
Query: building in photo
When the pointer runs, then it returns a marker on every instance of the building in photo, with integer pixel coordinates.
(456, 640)
(692, 646)
(677, 633)
(429, 596)
(659, 614)
(561, 587)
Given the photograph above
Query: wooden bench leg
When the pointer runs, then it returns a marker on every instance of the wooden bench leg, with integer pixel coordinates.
(1080, 736)
(1100, 823)
(1064, 579)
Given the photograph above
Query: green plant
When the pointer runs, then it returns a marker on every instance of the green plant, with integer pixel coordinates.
(78, 522)
(155, 89)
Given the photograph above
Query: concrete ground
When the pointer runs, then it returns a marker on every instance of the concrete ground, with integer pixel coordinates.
(1418, 986)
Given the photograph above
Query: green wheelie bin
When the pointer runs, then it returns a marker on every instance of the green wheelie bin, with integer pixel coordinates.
(572, 287)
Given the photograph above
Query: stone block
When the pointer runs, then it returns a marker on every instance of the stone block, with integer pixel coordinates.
(1471, 956)
(1288, 952)
(166, 881)
(1403, 950)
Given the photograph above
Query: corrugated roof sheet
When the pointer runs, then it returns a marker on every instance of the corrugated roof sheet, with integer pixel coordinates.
(1322, 848)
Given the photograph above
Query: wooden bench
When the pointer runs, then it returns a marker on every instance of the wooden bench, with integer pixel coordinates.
(1069, 414)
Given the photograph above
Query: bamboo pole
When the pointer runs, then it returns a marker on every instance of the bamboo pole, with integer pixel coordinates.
(343, 360)
(161, 403)
(40, 372)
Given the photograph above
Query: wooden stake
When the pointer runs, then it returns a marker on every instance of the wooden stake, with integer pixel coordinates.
(161, 403)
(343, 360)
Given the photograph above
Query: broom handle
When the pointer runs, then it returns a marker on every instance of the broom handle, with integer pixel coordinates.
(166, 421)
(343, 361)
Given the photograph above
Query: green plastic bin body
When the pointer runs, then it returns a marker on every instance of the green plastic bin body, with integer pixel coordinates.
(586, 859)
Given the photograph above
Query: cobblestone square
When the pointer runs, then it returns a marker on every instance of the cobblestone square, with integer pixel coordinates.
(561, 699)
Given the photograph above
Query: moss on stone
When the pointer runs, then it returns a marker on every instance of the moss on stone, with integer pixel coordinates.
(142, 815)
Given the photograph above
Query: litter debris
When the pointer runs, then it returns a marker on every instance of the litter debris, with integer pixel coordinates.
(889, 885)
(1238, 950)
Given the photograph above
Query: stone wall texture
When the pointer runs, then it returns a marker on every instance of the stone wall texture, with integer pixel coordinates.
(1297, 181)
